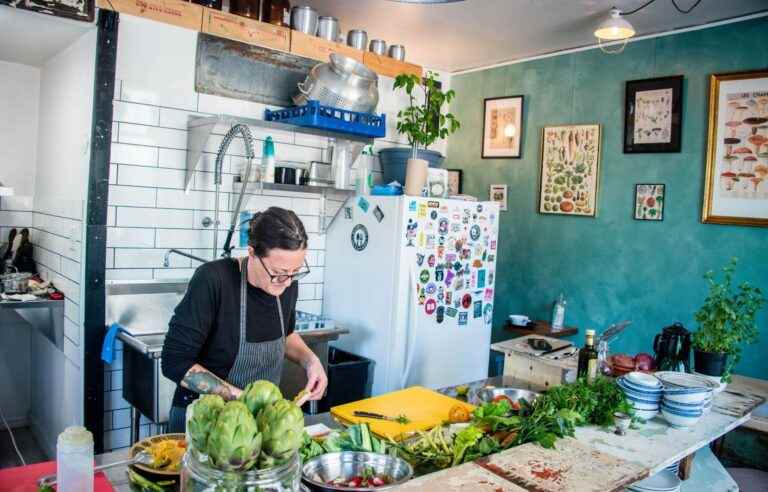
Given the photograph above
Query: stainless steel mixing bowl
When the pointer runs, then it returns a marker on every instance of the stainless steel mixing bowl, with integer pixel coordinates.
(317, 472)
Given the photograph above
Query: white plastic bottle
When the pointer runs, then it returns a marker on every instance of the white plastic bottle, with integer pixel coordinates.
(558, 313)
(74, 460)
(268, 161)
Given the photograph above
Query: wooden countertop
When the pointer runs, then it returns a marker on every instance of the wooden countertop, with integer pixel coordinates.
(757, 387)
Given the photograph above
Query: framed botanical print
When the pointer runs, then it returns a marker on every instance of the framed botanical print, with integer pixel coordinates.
(503, 127)
(570, 170)
(454, 182)
(736, 177)
(649, 202)
(653, 115)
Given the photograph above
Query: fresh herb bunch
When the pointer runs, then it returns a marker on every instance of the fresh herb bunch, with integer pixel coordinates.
(727, 318)
(424, 121)
(594, 403)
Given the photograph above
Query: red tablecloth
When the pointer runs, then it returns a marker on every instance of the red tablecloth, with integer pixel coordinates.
(24, 478)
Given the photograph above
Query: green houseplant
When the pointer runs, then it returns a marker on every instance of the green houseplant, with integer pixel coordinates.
(726, 322)
(424, 121)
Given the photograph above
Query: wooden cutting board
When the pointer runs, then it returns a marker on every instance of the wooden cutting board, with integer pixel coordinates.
(423, 407)
(468, 477)
(570, 466)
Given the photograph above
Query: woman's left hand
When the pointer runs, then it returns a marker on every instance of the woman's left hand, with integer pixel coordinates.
(317, 381)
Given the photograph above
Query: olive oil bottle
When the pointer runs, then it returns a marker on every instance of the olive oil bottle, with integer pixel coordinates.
(588, 358)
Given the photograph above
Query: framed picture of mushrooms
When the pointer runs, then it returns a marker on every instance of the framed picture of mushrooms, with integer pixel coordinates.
(502, 127)
(570, 170)
(736, 177)
(649, 202)
(652, 115)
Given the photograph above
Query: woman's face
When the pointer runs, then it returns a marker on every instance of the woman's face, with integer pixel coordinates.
(276, 262)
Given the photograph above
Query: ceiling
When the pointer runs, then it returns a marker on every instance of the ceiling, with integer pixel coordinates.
(30, 38)
(477, 33)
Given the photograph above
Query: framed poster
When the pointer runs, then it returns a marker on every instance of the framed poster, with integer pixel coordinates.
(502, 127)
(498, 193)
(653, 116)
(82, 10)
(736, 177)
(649, 202)
(455, 177)
(570, 166)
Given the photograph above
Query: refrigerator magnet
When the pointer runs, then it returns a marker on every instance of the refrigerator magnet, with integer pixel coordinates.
(463, 317)
(430, 306)
(363, 204)
(478, 309)
(378, 213)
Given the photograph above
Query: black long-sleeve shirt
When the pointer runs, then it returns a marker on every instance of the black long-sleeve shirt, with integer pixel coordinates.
(205, 327)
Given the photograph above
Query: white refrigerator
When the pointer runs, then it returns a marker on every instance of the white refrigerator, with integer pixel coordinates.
(413, 280)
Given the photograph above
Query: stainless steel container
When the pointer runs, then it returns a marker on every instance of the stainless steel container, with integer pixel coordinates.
(357, 39)
(378, 46)
(342, 83)
(304, 18)
(16, 283)
(514, 394)
(328, 28)
(318, 471)
(397, 51)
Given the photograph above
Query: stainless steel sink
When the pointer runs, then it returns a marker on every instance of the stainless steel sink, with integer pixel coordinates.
(143, 307)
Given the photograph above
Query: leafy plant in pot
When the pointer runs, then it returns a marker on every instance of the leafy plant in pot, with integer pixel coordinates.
(423, 121)
(726, 322)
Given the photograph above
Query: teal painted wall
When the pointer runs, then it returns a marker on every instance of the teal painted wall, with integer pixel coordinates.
(613, 267)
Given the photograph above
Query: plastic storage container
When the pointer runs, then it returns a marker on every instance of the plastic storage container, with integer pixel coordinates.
(198, 476)
(350, 378)
(74, 460)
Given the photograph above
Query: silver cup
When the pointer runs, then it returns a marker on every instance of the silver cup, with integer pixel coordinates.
(304, 19)
(397, 51)
(378, 46)
(357, 39)
(328, 28)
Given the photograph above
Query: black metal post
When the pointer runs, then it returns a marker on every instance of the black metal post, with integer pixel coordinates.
(93, 293)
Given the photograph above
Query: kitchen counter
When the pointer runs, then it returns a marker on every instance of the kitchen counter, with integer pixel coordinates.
(653, 445)
(45, 315)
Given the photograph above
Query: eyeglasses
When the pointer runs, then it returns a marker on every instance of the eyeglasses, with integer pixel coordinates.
(282, 277)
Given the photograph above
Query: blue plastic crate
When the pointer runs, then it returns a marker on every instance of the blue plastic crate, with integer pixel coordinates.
(315, 115)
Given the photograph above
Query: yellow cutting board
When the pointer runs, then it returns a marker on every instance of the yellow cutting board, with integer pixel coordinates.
(423, 407)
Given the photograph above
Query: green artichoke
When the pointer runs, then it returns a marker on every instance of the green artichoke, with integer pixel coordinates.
(235, 442)
(205, 411)
(282, 428)
(259, 394)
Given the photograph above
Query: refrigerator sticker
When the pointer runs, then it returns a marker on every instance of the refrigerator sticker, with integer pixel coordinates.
(410, 232)
(477, 263)
(412, 206)
(439, 273)
(448, 298)
(466, 301)
(457, 302)
(474, 232)
(472, 279)
(422, 297)
(430, 241)
(457, 266)
(456, 214)
(492, 218)
(433, 204)
(481, 279)
(491, 258)
(348, 213)
(441, 240)
(451, 312)
(430, 306)
(463, 318)
(488, 297)
(419, 259)
(456, 227)
(433, 215)
(442, 226)
(490, 278)
(431, 261)
(440, 314)
(450, 258)
(485, 255)
(478, 309)
(421, 239)
(479, 207)
(422, 211)
(440, 251)
(359, 237)
(440, 294)
(488, 313)
(424, 276)
(378, 213)
(363, 204)
(493, 244)
(244, 217)
(431, 288)
(448, 277)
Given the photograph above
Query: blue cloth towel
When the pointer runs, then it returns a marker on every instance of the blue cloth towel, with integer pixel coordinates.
(108, 349)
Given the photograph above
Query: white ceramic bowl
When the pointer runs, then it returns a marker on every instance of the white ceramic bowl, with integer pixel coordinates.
(682, 420)
(519, 319)
(643, 380)
(646, 414)
(714, 379)
(684, 407)
(639, 405)
(686, 395)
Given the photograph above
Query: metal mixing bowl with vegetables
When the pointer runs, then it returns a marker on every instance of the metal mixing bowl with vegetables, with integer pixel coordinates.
(355, 470)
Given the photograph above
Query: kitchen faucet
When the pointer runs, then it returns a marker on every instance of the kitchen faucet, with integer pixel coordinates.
(167, 261)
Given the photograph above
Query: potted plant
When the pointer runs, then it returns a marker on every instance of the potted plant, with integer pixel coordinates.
(726, 322)
(423, 121)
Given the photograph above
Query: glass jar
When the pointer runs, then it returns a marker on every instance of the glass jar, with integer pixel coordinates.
(197, 475)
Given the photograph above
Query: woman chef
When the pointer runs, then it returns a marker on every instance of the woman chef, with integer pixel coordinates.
(235, 323)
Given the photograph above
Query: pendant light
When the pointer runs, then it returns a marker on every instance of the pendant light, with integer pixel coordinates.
(614, 28)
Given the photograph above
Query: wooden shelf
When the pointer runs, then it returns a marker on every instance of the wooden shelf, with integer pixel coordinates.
(540, 327)
(223, 24)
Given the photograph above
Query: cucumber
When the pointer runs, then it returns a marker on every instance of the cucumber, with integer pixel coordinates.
(365, 435)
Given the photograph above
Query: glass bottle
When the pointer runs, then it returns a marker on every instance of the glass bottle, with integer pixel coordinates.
(587, 367)
(74, 460)
(558, 313)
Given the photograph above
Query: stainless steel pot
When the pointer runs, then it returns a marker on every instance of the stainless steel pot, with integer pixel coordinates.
(328, 28)
(343, 83)
(16, 283)
(304, 18)
(357, 39)
(378, 46)
(397, 51)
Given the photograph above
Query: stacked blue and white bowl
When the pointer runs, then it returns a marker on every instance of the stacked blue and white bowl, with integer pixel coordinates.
(686, 397)
(644, 393)
(664, 481)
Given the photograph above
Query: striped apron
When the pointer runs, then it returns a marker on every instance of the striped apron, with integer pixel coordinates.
(254, 361)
